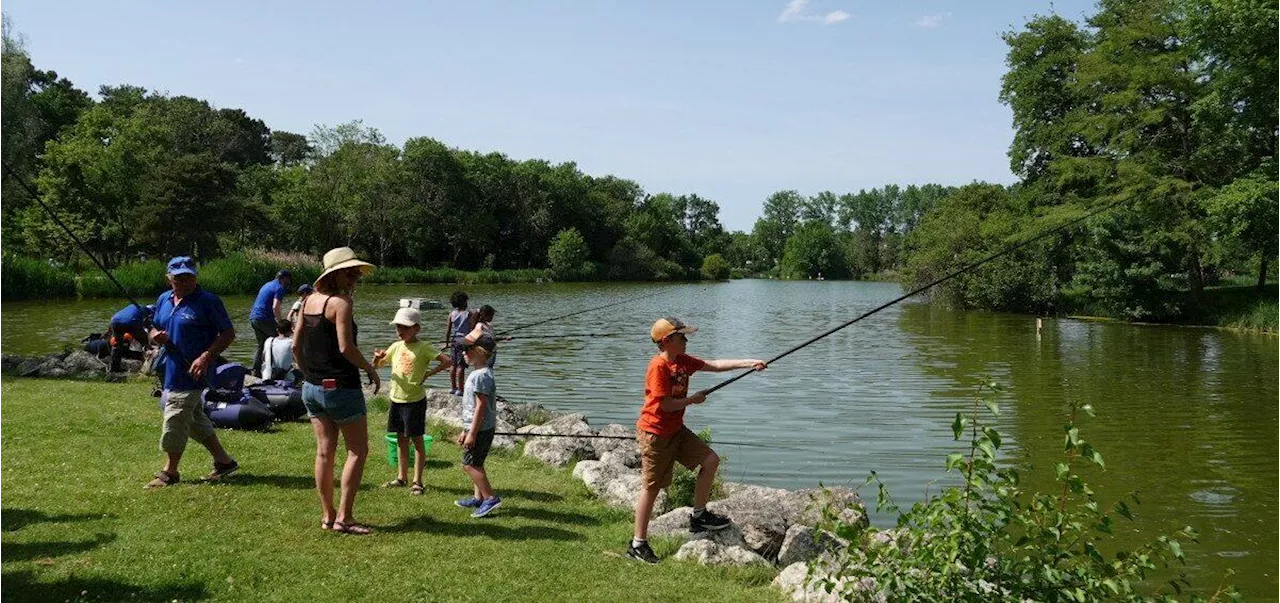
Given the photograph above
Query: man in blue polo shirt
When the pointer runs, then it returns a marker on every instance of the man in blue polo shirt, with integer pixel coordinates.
(194, 328)
(266, 311)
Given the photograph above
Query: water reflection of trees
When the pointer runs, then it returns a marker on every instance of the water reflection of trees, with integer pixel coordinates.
(1186, 417)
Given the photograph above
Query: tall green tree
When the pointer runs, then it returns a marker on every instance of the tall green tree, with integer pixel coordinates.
(813, 251)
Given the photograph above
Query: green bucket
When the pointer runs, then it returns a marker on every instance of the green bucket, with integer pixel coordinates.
(393, 448)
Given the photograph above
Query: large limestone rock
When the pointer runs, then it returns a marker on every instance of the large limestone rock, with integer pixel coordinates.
(765, 514)
(804, 543)
(625, 458)
(563, 450)
(613, 483)
(708, 552)
(80, 362)
(675, 524)
(803, 585)
(627, 446)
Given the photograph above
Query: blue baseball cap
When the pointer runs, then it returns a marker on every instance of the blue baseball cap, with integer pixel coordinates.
(305, 289)
(284, 274)
(182, 265)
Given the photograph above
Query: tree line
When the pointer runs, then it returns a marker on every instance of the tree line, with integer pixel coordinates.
(1167, 107)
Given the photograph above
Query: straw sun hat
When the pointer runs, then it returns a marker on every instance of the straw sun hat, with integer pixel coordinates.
(341, 258)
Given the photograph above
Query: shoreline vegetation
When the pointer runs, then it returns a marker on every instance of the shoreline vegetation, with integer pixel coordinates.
(1164, 111)
(1234, 306)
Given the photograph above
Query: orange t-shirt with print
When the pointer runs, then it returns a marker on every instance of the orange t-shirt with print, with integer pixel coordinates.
(666, 378)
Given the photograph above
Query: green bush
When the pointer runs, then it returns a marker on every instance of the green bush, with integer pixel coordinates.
(25, 278)
(715, 268)
(683, 481)
(988, 540)
(568, 254)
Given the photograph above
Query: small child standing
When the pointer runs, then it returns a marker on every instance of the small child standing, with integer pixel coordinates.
(454, 331)
(480, 412)
(407, 417)
(663, 438)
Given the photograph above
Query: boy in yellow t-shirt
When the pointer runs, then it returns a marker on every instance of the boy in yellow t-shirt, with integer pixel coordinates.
(407, 417)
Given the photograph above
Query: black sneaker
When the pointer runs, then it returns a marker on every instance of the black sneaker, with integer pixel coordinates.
(707, 521)
(642, 553)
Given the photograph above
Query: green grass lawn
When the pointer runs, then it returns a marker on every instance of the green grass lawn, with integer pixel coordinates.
(77, 525)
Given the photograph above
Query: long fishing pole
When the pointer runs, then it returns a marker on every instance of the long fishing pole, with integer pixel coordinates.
(169, 346)
(566, 335)
(27, 187)
(632, 438)
(541, 322)
(922, 288)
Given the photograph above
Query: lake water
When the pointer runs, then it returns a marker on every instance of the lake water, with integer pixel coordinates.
(1187, 417)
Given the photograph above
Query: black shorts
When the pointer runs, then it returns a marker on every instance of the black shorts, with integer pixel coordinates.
(475, 456)
(408, 419)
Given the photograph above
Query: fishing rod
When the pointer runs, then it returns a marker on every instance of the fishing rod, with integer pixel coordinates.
(609, 305)
(568, 335)
(922, 288)
(169, 345)
(632, 438)
(31, 191)
(541, 322)
(609, 437)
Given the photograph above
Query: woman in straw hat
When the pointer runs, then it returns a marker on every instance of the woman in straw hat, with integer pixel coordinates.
(325, 348)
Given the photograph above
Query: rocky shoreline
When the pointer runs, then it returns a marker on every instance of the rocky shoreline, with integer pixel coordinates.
(771, 526)
(69, 364)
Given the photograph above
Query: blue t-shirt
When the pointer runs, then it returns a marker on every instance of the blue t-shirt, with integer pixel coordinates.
(480, 381)
(131, 316)
(273, 290)
(192, 327)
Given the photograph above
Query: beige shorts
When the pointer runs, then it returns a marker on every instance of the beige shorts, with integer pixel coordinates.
(658, 456)
(184, 417)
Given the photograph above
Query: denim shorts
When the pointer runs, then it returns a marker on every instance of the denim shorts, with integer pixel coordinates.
(342, 405)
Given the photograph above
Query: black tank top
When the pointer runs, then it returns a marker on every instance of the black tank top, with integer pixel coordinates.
(321, 357)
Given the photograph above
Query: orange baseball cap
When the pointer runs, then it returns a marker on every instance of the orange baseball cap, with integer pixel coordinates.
(665, 327)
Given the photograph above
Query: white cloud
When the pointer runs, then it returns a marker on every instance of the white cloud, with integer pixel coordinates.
(792, 10)
(931, 21)
(835, 16)
(795, 11)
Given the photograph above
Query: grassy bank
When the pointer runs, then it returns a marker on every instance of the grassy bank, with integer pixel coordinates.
(1238, 307)
(78, 526)
(235, 274)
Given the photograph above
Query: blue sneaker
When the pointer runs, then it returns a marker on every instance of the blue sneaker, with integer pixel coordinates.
(487, 505)
(469, 502)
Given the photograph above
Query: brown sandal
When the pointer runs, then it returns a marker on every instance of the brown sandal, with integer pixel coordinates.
(351, 527)
(163, 479)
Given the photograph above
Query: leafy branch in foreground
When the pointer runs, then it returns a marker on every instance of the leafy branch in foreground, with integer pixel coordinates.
(987, 539)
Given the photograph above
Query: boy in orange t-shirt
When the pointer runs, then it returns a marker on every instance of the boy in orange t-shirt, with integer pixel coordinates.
(663, 437)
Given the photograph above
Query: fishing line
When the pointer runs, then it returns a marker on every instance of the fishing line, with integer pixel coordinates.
(567, 335)
(541, 322)
(922, 288)
(610, 305)
(632, 438)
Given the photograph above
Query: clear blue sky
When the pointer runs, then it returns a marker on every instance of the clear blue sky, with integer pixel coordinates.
(729, 99)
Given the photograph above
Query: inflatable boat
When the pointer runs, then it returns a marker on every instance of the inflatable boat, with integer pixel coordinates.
(284, 400)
